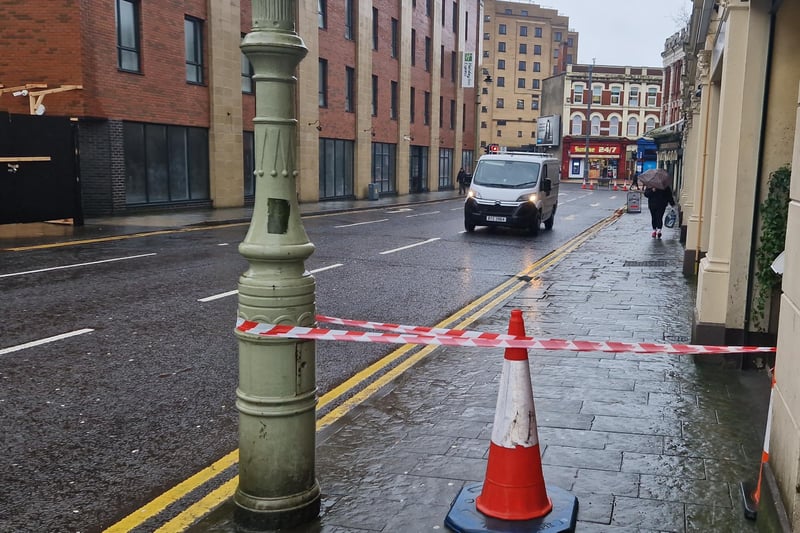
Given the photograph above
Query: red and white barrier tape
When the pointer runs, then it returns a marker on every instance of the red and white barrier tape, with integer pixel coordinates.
(438, 336)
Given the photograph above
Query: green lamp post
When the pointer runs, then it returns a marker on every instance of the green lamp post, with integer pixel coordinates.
(276, 397)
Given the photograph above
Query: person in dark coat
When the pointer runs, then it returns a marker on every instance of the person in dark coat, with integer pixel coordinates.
(461, 178)
(657, 201)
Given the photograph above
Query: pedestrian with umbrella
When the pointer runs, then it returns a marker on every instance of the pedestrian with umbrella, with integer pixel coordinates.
(657, 190)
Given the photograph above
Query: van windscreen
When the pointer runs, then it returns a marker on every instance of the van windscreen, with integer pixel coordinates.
(506, 174)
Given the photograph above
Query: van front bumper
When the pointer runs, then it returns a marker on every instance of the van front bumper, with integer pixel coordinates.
(490, 213)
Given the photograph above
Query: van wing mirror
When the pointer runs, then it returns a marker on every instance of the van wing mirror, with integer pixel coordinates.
(546, 185)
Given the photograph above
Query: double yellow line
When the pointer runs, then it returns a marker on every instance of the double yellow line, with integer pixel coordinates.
(461, 320)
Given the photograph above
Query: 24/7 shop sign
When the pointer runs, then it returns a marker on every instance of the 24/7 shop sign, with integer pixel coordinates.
(595, 149)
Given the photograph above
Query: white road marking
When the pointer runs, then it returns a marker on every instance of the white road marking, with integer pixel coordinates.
(423, 214)
(594, 205)
(75, 265)
(231, 293)
(409, 246)
(45, 341)
(361, 223)
(400, 210)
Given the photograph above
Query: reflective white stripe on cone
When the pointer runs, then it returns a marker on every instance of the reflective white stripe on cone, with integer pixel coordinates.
(514, 486)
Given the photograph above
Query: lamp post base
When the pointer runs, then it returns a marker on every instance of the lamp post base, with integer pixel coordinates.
(261, 514)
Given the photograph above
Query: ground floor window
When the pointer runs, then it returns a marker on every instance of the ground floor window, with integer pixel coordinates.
(418, 169)
(445, 168)
(467, 160)
(336, 168)
(384, 158)
(165, 164)
(249, 150)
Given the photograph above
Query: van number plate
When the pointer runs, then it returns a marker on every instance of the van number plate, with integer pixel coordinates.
(495, 219)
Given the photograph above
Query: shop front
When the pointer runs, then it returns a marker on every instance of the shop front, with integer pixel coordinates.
(606, 158)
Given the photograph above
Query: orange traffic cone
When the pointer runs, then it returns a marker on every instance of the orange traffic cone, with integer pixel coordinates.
(583, 185)
(751, 498)
(514, 487)
(591, 186)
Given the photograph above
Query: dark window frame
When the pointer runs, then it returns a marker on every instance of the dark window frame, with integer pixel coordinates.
(127, 50)
(194, 56)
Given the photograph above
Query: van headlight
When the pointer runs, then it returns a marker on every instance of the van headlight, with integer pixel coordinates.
(473, 194)
(530, 197)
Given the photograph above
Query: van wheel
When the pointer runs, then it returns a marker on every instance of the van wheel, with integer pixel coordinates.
(469, 226)
(548, 224)
(535, 223)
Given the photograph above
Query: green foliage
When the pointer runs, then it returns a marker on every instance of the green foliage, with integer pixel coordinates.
(774, 213)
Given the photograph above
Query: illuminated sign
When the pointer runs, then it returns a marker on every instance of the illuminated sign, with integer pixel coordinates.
(468, 70)
(595, 149)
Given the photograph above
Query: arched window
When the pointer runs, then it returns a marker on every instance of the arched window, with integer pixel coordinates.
(577, 122)
(595, 125)
(613, 127)
(649, 124)
(633, 127)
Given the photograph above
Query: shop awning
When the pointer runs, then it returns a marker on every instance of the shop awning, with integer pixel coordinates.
(664, 131)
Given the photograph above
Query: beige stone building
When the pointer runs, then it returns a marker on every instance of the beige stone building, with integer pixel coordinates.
(523, 44)
(742, 125)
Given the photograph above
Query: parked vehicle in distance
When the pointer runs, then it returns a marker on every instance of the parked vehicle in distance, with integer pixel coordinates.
(513, 189)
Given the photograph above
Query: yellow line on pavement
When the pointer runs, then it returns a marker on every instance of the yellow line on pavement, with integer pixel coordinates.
(476, 309)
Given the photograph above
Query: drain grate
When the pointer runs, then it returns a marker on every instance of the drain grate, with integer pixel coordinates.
(658, 263)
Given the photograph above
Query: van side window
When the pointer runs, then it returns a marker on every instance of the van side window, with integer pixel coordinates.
(544, 171)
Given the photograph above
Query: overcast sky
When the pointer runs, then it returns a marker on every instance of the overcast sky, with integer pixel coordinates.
(622, 32)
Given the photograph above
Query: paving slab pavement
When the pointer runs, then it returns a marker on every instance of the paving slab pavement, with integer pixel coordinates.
(645, 442)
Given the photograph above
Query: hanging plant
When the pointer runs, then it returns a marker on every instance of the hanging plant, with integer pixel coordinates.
(774, 213)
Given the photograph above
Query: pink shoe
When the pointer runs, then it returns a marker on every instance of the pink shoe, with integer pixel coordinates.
(653, 235)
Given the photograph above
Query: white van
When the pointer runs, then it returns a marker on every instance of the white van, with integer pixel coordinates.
(513, 189)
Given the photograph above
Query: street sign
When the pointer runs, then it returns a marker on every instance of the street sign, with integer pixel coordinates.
(634, 202)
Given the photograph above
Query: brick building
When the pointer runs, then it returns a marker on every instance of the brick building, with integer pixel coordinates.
(165, 110)
(523, 44)
(608, 108)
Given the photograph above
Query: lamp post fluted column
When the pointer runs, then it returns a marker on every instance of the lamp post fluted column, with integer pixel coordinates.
(276, 397)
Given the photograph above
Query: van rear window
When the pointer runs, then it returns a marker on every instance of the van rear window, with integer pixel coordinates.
(506, 174)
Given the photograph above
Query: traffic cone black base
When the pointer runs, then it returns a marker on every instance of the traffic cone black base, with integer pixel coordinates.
(749, 504)
(465, 518)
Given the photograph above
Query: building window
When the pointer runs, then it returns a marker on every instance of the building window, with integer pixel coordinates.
(520, 83)
(165, 164)
(193, 29)
(615, 95)
(523, 31)
(633, 127)
(128, 35)
(633, 97)
(427, 109)
(441, 111)
(393, 101)
(394, 37)
(569, 59)
(484, 109)
(535, 104)
(336, 168)
(519, 133)
(374, 96)
(537, 32)
(428, 7)
(322, 12)
(452, 114)
(651, 96)
(501, 81)
(613, 127)
(483, 125)
(413, 101)
(441, 62)
(576, 125)
(499, 133)
(323, 82)
(427, 54)
(484, 90)
(500, 103)
(649, 124)
(535, 83)
(349, 89)
(486, 37)
(384, 158)
(555, 53)
(501, 64)
(453, 66)
(445, 168)
(537, 49)
(348, 19)
(597, 93)
(557, 36)
(374, 28)
(455, 17)
(570, 42)
(522, 66)
(537, 67)
(523, 48)
(595, 125)
(501, 46)
(502, 29)
(247, 75)
(577, 93)
(413, 47)
(523, 12)
(520, 104)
